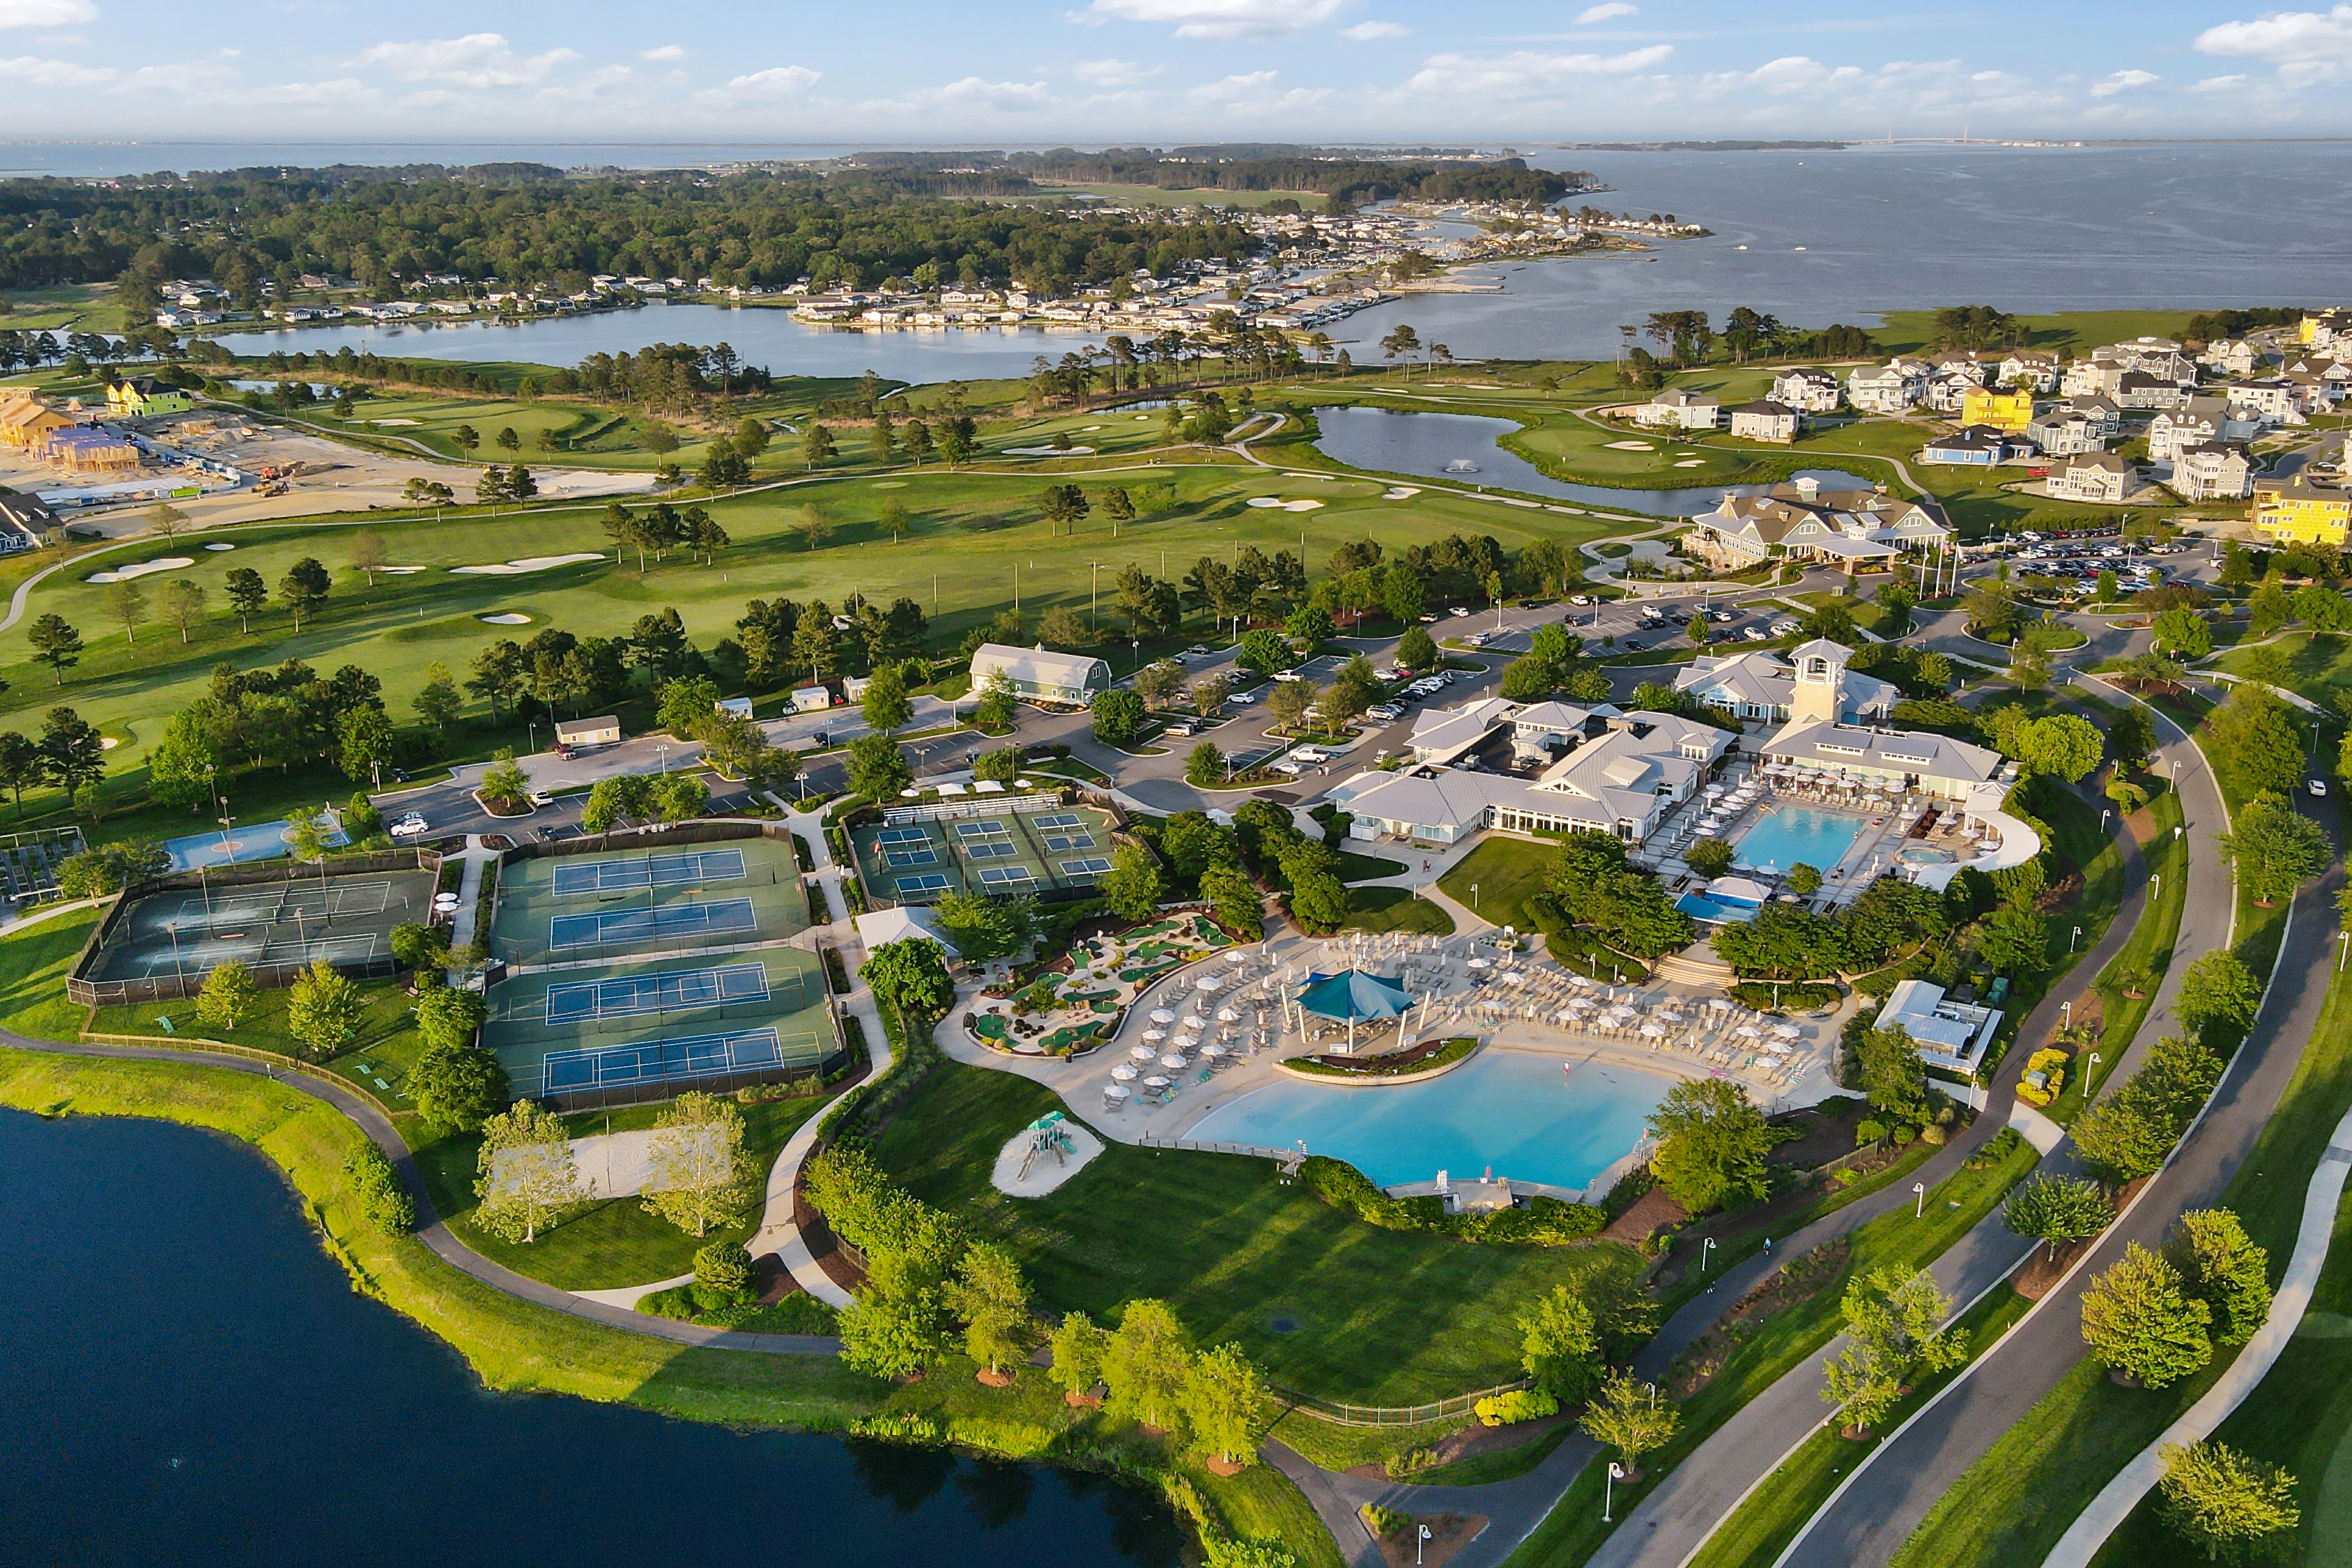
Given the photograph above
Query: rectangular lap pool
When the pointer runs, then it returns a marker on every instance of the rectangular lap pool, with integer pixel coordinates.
(1790, 834)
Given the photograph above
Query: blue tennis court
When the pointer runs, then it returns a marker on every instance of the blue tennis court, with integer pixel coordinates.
(687, 868)
(718, 917)
(658, 1061)
(677, 992)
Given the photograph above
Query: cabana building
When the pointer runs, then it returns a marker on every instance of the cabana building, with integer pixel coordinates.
(1041, 676)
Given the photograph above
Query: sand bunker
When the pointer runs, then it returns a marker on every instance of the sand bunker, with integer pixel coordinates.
(1631, 447)
(1400, 492)
(506, 618)
(1048, 451)
(404, 570)
(141, 569)
(395, 421)
(1301, 505)
(108, 743)
(1264, 500)
(220, 547)
(1691, 463)
(527, 564)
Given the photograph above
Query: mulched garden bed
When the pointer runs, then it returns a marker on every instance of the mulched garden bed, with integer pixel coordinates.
(1799, 1279)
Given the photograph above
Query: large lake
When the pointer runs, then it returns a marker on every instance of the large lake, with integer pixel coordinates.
(189, 1378)
(2027, 230)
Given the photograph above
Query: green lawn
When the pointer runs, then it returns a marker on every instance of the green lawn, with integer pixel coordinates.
(1370, 1316)
(378, 1058)
(2319, 664)
(2148, 950)
(1503, 872)
(1395, 909)
(33, 965)
(1777, 1345)
(612, 1243)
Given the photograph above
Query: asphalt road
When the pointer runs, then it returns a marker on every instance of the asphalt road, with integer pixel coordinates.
(1906, 1476)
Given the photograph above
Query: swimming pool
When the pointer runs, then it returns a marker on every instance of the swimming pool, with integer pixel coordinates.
(1701, 906)
(1520, 1114)
(1789, 833)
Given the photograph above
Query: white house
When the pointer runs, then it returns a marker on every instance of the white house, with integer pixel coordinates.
(2060, 432)
(1804, 521)
(1676, 409)
(2093, 477)
(1758, 684)
(2216, 471)
(1815, 737)
(2020, 364)
(1806, 390)
(1950, 1035)
(1765, 420)
(1894, 387)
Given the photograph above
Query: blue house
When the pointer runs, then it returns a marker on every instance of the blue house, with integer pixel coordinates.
(1976, 446)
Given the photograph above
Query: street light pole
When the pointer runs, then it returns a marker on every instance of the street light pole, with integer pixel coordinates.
(1920, 1190)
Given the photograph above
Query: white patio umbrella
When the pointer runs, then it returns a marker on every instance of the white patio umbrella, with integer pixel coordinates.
(1514, 976)
(1154, 1037)
(1155, 1081)
(1141, 1053)
(1237, 956)
(1787, 1031)
(1482, 963)
(1185, 1042)
(1173, 1062)
(1123, 1073)
(1749, 1032)
(1162, 1016)
(1227, 1016)
(1719, 1004)
(1118, 1092)
(1213, 1049)
(1194, 1021)
(1654, 1031)
(1208, 981)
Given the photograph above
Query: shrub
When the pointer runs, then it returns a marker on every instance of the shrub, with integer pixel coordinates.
(1521, 1404)
(1384, 1522)
(2045, 1075)
(724, 1267)
(1868, 1130)
(375, 1187)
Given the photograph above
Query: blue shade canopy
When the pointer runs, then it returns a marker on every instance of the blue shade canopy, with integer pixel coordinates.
(1353, 995)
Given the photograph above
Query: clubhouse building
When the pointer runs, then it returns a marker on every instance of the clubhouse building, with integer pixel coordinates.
(1039, 675)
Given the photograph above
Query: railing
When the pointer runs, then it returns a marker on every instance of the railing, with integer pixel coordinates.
(1287, 1156)
(198, 1044)
(1343, 1415)
(975, 806)
(274, 975)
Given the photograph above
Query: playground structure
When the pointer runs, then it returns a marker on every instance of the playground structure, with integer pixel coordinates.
(1043, 1155)
(1048, 1136)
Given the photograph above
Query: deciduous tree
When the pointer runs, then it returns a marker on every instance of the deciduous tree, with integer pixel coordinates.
(526, 1177)
(2230, 1504)
(2058, 1210)
(2138, 1321)
(696, 1173)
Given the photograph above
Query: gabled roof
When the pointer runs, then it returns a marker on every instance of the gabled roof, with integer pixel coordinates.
(1837, 746)
(1038, 665)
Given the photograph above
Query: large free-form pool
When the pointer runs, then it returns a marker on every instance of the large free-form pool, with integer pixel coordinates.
(1789, 834)
(1530, 1118)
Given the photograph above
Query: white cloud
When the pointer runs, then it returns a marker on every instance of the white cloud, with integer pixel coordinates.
(2121, 81)
(52, 73)
(2221, 83)
(1790, 73)
(1593, 14)
(1235, 85)
(1524, 71)
(666, 52)
(972, 92)
(1225, 19)
(2306, 46)
(1365, 32)
(1110, 73)
(46, 13)
(775, 81)
(476, 61)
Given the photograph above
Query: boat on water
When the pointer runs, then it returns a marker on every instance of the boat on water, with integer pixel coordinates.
(1801, 248)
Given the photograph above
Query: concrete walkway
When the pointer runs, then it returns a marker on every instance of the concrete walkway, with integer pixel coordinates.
(2108, 1510)
(469, 892)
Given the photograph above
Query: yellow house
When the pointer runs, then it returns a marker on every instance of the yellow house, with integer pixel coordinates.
(136, 396)
(2008, 412)
(2296, 511)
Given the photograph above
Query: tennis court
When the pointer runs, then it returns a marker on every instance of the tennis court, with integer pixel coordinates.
(191, 932)
(1006, 855)
(691, 868)
(636, 902)
(639, 1025)
(629, 996)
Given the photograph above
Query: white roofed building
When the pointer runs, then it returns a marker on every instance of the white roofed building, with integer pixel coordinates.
(1040, 675)
(1762, 685)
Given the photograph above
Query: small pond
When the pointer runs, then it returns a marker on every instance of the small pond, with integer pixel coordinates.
(1438, 445)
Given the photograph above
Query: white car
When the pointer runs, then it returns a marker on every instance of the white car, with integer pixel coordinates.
(1479, 639)
(2318, 787)
(1580, 598)
(1782, 627)
(1287, 676)
(1311, 755)
(1385, 712)
(1288, 768)
(410, 826)
(1177, 731)
(1754, 634)
(539, 797)
(1396, 672)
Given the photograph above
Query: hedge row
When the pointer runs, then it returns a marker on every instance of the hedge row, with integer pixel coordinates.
(1543, 1222)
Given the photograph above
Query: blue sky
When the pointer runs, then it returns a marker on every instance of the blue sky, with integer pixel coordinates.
(998, 73)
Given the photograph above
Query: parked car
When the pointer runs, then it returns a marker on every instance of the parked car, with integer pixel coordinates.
(2318, 788)
(539, 797)
(1479, 639)
(1288, 768)
(1201, 651)
(1177, 731)
(1754, 634)
(1784, 626)
(410, 826)
(1721, 615)
(1287, 676)
(1385, 712)
(1580, 598)
(1396, 672)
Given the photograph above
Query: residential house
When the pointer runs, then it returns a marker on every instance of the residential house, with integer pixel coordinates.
(2319, 329)
(2093, 477)
(2023, 364)
(1978, 367)
(1040, 676)
(1895, 387)
(2086, 378)
(25, 422)
(2010, 412)
(1976, 446)
(1948, 391)
(2105, 413)
(1678, 408)
(1758, 684)
(2297, 510)
(2231, 356)
(139, 396)
(85, 451)
(2199, 420)
(24, 521)
(2060, 432)
(1806, 390)
(1765, 420)
(2161, 357)
(2144, 389)
(2276, 399)
(602, 729)
(2213, 471)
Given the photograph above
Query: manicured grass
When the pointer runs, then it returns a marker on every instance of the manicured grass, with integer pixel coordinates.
(1779, 1344)
(1355, 867)
(969, 531)
(1504, 872)
(612, 1243)
(1381, 1317)
(1762, 1527)
(33, 966)
(1394, 908)
(378, 1058)
(2148, 949)
(2318, 664)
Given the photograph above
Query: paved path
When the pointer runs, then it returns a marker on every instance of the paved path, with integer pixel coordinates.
(430, 1229)
(1884, 1502)
(2108, 1510)
(16, 601)
(469, 892)
(1677, 1516)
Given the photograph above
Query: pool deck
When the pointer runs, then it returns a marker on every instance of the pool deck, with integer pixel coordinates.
(1080, 1081)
